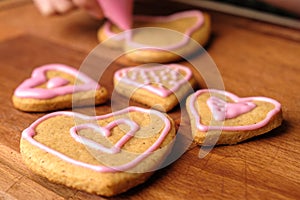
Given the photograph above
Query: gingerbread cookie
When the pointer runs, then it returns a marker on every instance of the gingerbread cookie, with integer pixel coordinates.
(106, 154)
(213, 112)
(57, 86)
(168, 39)
(160, 86)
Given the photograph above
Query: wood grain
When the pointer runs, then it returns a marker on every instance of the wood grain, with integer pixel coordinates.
(254, 59)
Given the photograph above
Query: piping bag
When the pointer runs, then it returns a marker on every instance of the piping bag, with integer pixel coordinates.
(118, 11)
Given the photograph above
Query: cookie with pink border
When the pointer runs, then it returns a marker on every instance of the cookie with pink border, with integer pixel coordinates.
(166, 40)
(55, 87)
(221, 115)
(106, 155)
(160, 86)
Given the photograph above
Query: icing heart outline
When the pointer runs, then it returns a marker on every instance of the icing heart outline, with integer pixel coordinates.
(127, 36)
(201, 127)
(120, 76)
(29, 133)
(104, 131)
(27, 89)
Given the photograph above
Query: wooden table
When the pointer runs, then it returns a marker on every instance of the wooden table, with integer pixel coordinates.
(254, 58)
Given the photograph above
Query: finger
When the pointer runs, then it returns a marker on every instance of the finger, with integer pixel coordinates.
(62, 6)
(45, 7)
(91, 6)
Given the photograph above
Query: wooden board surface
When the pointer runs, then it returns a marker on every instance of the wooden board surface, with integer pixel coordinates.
(254, 59)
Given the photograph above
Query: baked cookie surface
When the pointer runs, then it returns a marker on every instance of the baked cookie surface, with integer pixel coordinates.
(216, 114)
(161, 87)
(55, 87)
(106, 154)
(168, 42)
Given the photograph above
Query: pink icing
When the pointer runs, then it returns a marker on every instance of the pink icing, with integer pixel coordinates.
(55, 86)
(56, 82)
(155, 74)
(222, 110)
(170, 18)
(105, 131)
(29, 133)
(119, 12)
(201, 127)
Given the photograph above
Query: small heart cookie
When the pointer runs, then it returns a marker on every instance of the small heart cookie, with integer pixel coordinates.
(106, 154)
(157, 86)
(238, 119)
(167, 40)
(57, 86)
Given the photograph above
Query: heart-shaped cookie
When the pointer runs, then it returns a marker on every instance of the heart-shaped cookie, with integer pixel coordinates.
(57, 86)
(158, 86)
(167, 40)
(213, 112)
(105, 154)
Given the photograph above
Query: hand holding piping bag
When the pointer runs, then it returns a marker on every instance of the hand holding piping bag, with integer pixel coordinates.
(118, 12)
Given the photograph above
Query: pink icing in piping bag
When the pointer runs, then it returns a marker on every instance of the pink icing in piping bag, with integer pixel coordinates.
(118, 11)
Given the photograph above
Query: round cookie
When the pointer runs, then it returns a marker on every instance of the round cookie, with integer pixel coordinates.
(105, 155)
(222, 117)
(55, 87)
(159, 45)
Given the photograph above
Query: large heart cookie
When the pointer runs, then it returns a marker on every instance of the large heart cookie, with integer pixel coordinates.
(57, 86)
(105, 154)
(167, 39)
(158, 86)
(238, 119)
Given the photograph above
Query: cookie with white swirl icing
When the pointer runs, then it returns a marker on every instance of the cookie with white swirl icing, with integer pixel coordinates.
(55, 87)
(164, 39)
(161, 87)
(105, 155)
(223, 118)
